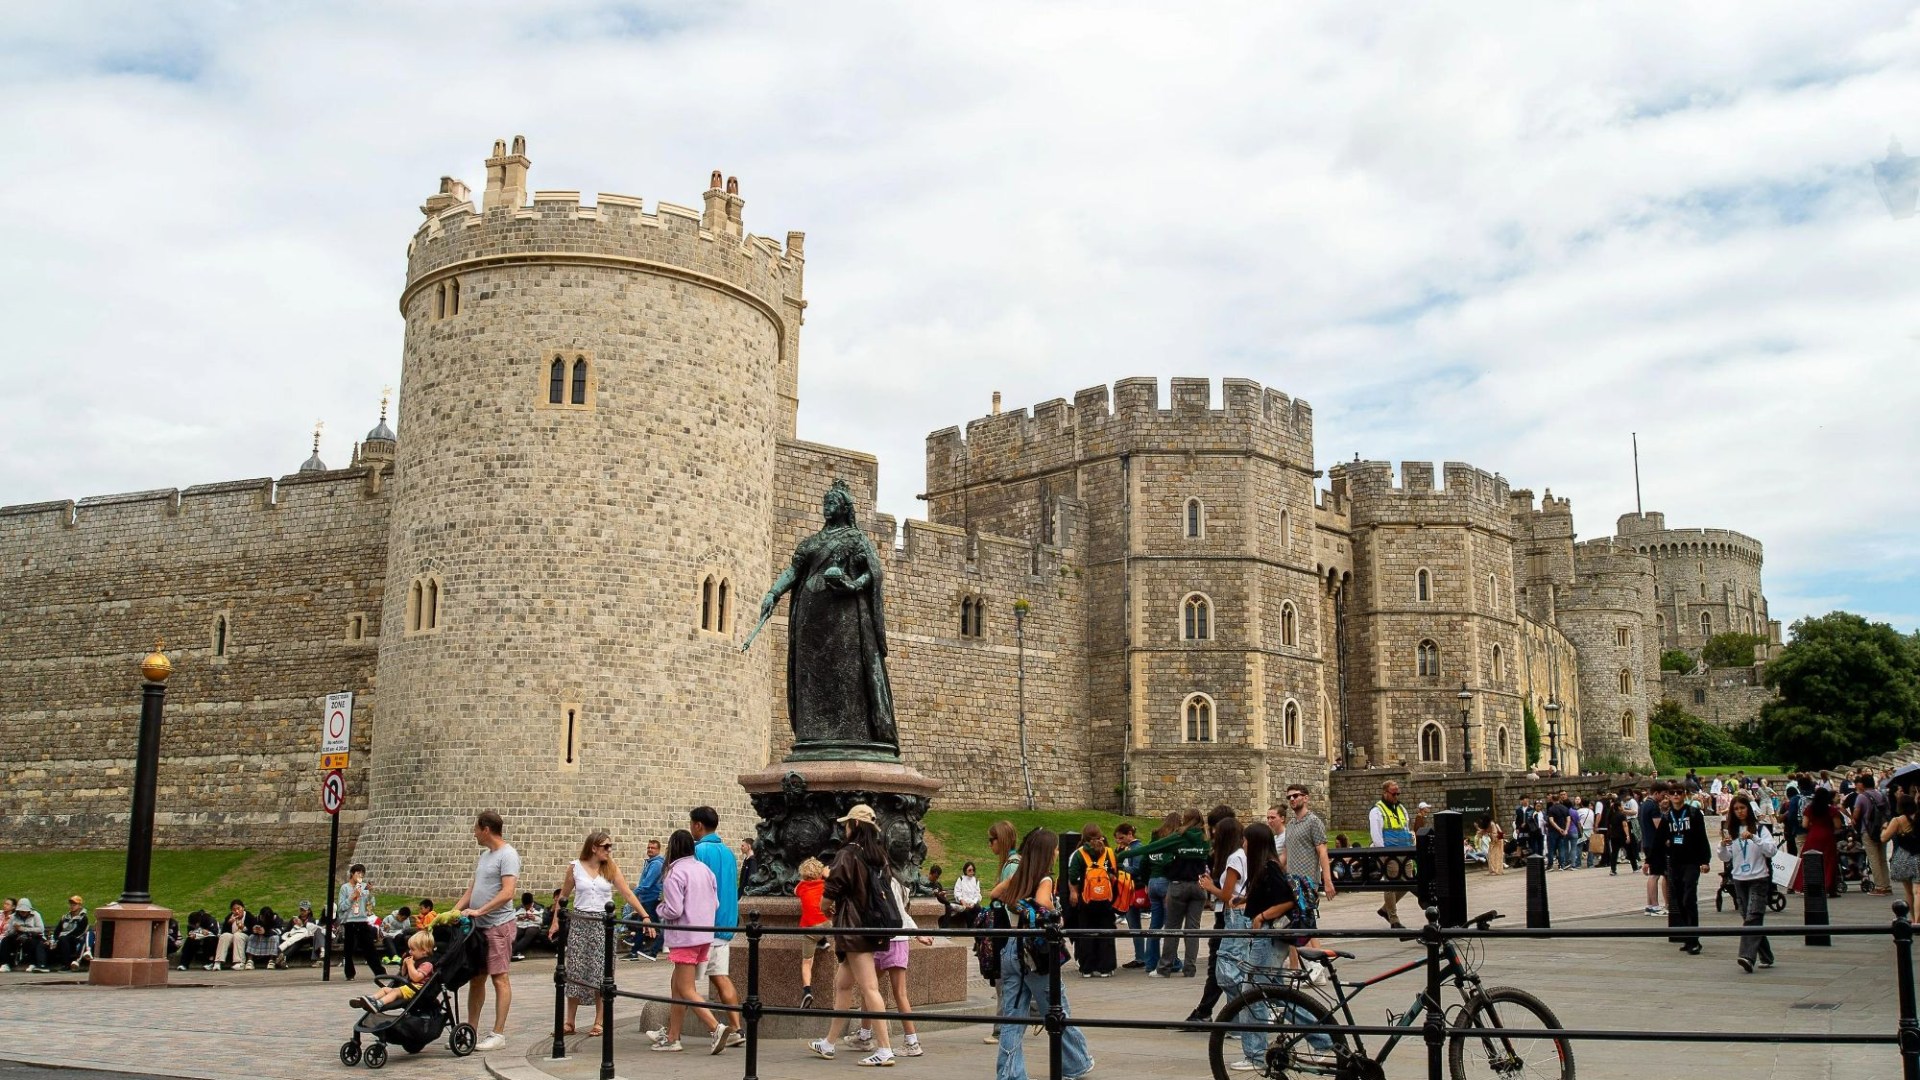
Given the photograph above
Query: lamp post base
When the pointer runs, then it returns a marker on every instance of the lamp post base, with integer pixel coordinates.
(132, 945)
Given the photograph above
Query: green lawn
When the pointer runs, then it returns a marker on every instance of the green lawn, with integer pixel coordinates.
(182, 880)
(955, 836)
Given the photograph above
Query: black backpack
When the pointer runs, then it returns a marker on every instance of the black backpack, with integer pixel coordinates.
(881, 911)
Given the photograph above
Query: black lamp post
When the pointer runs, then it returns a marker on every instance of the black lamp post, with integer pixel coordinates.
(146, 767)
(1466, 741)
(1553, 734)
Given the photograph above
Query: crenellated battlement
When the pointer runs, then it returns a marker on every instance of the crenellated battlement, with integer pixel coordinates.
(1520, 502)
(1374, 495)
(1647, 533)
(711, 247)
(1126, 418)
(295, 493)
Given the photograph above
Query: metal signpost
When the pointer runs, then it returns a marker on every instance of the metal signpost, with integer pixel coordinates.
(336, 731)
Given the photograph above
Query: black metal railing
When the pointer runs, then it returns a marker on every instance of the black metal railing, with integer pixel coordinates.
(1434, 936)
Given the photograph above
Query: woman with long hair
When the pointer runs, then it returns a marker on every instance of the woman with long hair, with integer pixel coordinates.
(1746, 846)
(1028, 899)
(1226, 883)
(1258, 895)
(590, 881)
(1820, 824)
(1903, 830)
(689, 896)
(1004, 841)
(856, 883)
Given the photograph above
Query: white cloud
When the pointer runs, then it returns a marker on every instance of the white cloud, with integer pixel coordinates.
(1508, 236)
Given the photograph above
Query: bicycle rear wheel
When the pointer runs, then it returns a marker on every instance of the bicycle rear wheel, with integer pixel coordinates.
(1530, 1049)
(1289, 1054)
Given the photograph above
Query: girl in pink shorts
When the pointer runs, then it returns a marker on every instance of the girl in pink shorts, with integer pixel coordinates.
(689, 896)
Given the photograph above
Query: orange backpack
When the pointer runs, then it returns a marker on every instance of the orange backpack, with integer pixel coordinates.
(1097, 885)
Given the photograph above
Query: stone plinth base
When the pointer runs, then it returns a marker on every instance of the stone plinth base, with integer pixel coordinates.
(799, 802)
(132, 945)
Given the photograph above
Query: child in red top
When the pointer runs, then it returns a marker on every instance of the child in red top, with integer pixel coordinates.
(812, 885)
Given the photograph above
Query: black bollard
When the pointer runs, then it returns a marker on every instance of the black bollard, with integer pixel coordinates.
(1449, 874)
(559, 1050)
(607, 988)
(1813, 882)
(1537, 915)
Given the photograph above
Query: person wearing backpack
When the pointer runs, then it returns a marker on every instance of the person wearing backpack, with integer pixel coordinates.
(1870, 816)
(860, 902)
(1025, 962)
(1092, 877)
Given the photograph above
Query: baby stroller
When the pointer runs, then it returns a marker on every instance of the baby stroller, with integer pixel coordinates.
(434, 1009)
(1853, 859)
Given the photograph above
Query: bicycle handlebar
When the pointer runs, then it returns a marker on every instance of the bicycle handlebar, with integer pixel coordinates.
(1483, 919)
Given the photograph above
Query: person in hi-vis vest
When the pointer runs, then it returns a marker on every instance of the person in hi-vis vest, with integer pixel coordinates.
(1390, 827)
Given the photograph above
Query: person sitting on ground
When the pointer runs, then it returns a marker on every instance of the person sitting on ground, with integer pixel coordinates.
(548, 933)
(299, 936)
(197, 947)
(415, 970)
(423, 919)
(526, 925)
(25, 944)
(966, 887)
(949, 904)
(70, 935)
(394, 931)
(231, 949)
(263, 939)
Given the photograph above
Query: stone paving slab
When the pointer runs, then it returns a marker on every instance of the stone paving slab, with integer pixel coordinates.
(242, 1025)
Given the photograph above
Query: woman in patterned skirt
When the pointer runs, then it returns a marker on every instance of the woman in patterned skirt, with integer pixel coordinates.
(591, 881)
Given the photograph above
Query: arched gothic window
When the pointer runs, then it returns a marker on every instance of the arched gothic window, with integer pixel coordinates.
(557, 382)
(1505, 754)
(579, 380)
(1626, 681)
(1427, 661)
(1196, 618)
(706, 604)
(1286, 530)
(1499, 665)
(1423, 585)
(1706, 624)
(1289, 628)
(1196, 519)
(1626, 725)
(1432, 743)
(1197, 718)
(1290, 725)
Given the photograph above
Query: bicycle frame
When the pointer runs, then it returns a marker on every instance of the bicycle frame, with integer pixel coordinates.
(1453, 972)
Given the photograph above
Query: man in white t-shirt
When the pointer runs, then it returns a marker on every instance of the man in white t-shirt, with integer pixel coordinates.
(1585, 814)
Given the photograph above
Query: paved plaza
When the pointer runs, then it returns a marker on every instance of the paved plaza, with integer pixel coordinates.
(243, 1025)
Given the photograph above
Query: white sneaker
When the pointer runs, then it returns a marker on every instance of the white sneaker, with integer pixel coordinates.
(735, 1038)
(656, 1034)
(991, 1039)
(493, 1041)
(881, 1059)
(1083, 1072)
(821, 1049)
(912, 1049)
(248, 966)
(1244, 1065)
(9, 967)
(855, 1042)
(665, 1047)
(719, 1041)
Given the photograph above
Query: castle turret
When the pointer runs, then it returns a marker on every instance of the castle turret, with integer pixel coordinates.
(582, 518)
(1709, 580)
(1607, 613)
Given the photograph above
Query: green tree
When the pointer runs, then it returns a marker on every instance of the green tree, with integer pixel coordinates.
(1676, 660)
(1730, 650)
(1679, 738)
(1531, 733)
(1848, 689)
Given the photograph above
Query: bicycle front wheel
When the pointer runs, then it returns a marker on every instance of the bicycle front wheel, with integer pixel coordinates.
(1528, 1049)
(1290, 1053)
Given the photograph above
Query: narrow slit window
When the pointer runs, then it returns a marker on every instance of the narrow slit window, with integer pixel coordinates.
(416, 603)
(720, 619)
(1289, 629)
(433, 604)
(1423, 586)
(1196, 519)
(453, 296)
(440, 301)
(556, 382)
(220, 635)
(706, 604)
(1290, 729)
(966, 617)
(979, 617)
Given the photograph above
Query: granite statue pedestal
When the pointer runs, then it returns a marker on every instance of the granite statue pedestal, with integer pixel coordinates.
(132, 947)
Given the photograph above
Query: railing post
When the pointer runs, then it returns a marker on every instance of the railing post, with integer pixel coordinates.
(559, 1051)
(607, 988)
(1909, 1016)
(750, 1008)
(1813, 883)
(1056, 1019)
(1538, 918)
(1450, 867)
(1434, 1027)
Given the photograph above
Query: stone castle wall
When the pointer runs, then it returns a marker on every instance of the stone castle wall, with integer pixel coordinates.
(1709, 580)
(86, 588)
(1729, 697)
(1607, 614)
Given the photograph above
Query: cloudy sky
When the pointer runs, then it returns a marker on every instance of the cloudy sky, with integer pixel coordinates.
(1503, 234)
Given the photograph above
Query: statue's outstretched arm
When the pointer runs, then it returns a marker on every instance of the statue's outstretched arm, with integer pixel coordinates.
(780, 585)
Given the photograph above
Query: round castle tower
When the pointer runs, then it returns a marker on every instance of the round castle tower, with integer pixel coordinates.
(582, 517)
(1709, 579)
(1607, 613)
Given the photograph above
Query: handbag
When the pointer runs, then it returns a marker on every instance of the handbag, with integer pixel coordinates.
(1785, 868)
(1597, 843)
(1035, 955)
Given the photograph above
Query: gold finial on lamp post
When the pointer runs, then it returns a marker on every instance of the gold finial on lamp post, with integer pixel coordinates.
(156, 667)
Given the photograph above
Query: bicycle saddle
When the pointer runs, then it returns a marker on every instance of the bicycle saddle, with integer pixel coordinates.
(1322, 956)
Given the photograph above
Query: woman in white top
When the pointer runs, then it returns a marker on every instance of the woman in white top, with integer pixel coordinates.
(1747, 847)
(591, 881)
(967, 889)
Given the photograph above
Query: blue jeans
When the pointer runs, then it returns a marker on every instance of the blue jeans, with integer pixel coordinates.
(1238, 955)
(1019, 993)
(1156, 919)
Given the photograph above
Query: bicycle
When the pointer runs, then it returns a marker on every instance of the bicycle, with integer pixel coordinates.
(1280, 994)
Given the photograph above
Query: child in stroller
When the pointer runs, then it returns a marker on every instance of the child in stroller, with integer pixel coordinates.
(437, 966)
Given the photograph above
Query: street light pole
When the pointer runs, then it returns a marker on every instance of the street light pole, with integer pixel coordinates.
(1020, 608)
(1553, 734)
(1466, 741)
